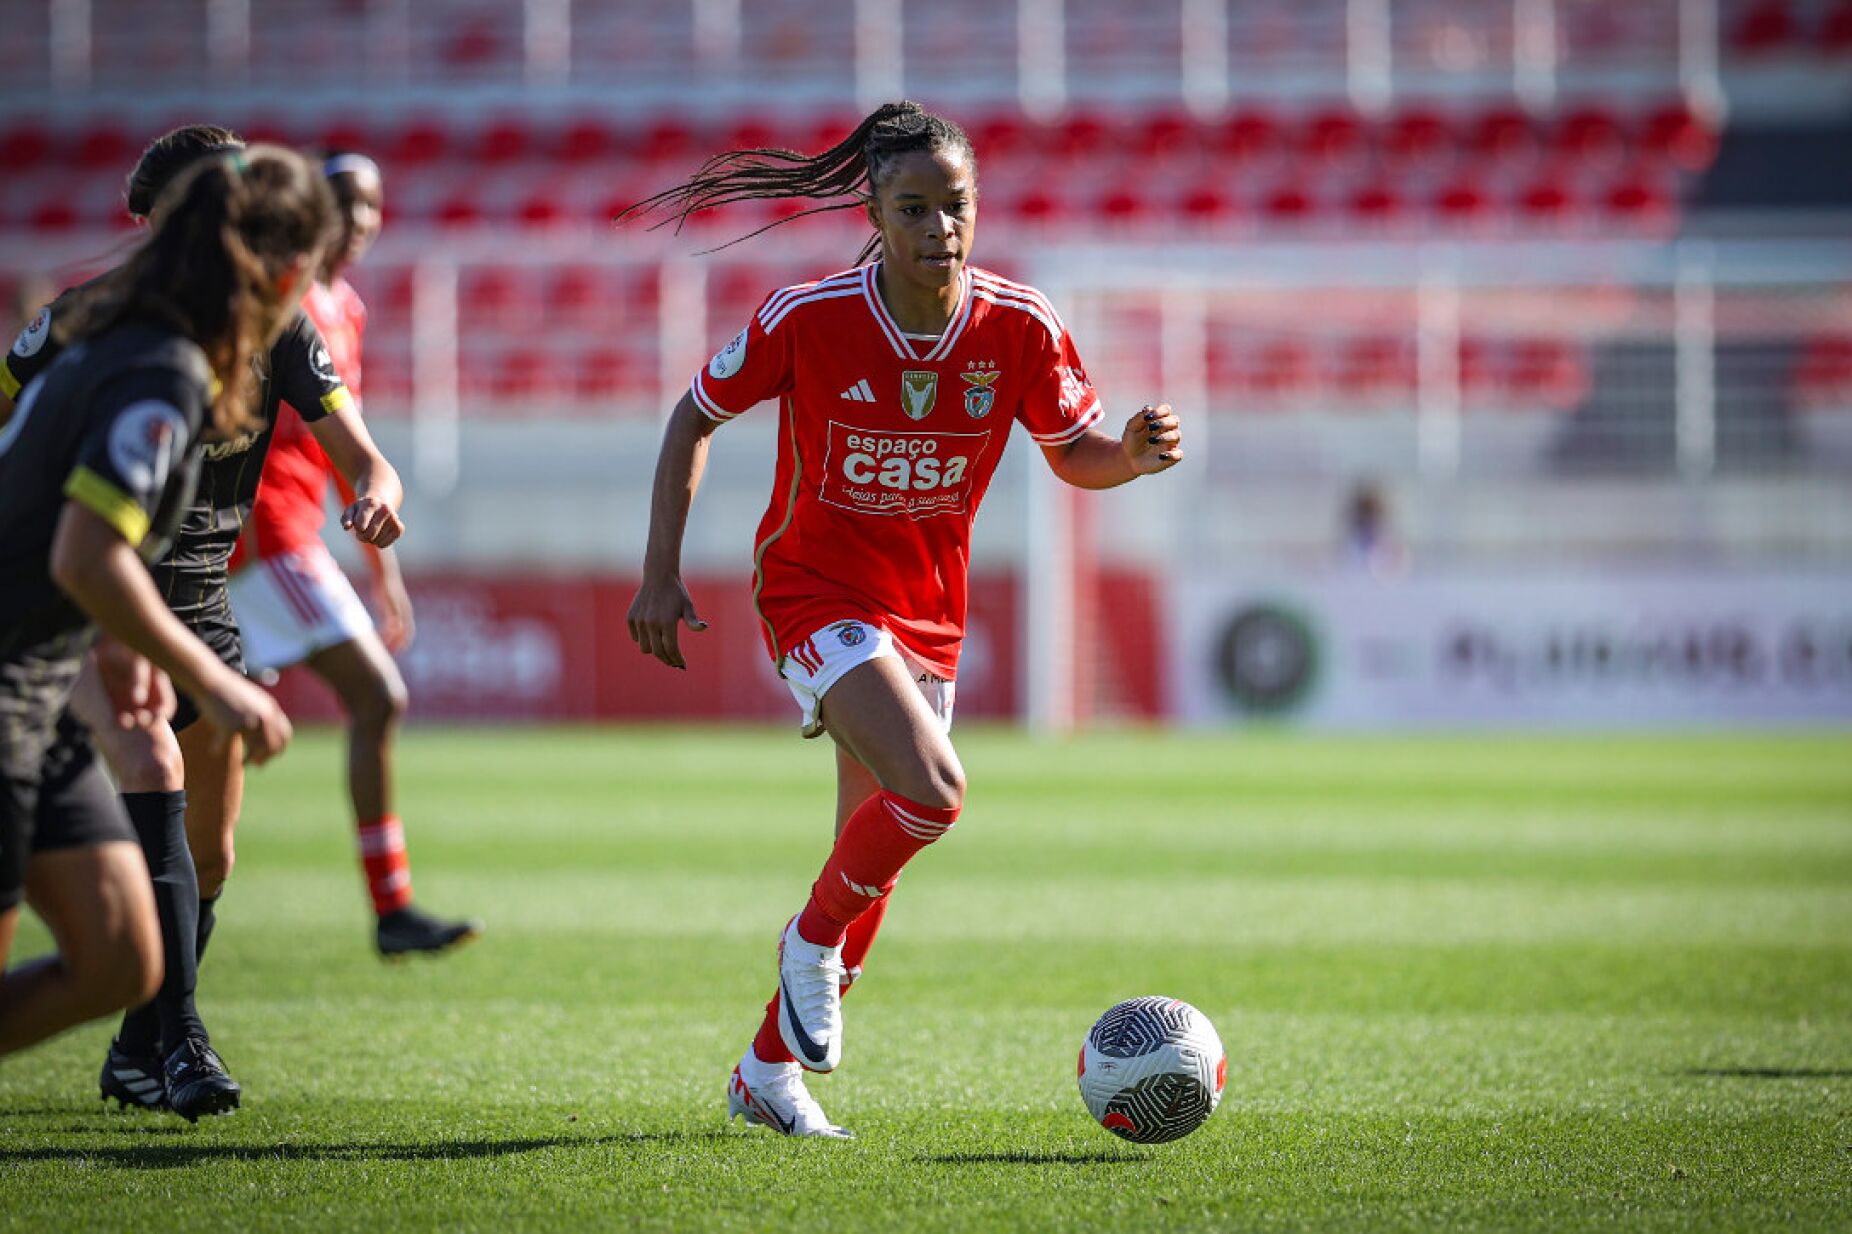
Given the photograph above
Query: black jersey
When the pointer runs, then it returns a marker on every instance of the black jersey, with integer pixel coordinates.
(297, 370)
(115, 425)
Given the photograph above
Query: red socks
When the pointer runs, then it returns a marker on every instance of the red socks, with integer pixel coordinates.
(849, 900)
(389, 871)
(881, 837)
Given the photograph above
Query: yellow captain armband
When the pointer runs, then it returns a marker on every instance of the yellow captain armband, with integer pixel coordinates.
(108, 503)
(336, 399)
(9, 384)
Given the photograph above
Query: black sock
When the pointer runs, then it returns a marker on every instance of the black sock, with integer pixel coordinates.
(207, 919)
(160, 825)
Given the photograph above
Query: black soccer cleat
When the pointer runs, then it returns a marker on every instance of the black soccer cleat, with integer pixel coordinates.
(410, 929)
(197, 1083)
(133, 1080)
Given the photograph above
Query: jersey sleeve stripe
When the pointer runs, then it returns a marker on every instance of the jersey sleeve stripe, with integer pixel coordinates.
(769, 320)
(1028, 299)
(108, 503)
(709, 408)
(336, 400)
(1051, 324)
(9, 384)
(1072, 432)
(782, 297)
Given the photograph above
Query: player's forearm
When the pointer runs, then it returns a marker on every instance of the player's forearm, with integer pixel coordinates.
(1093, 461)
(344, 438)
(678, 477)
(95, 566)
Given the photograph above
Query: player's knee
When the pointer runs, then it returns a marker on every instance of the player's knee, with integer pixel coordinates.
(381, 704)
(214, 867)
(144, 762)
(944, 787)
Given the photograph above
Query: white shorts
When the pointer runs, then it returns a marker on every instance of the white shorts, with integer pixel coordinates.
(293, 605)
(819, 662)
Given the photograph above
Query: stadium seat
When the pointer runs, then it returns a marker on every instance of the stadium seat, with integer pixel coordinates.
(25, 146)
(1504, 137)
(459, 210)
(1250, 137)
(1001, 136)
(504, 141)
(606, 372)
(1548, 373)
(1641, 206)
(1375, 205)
(1589, 138)
(1374, 366)
(1166, 134)
(419, 144)
(1332, 138)
(1462, 203)
(1417, 138)
(541, 209)
(1764, 27)
(586, 140)
(347, 133)
(1823, 377)
(1208, 205)
(105, 147)
(1675, 136)
(55, 215)
(1289, 205)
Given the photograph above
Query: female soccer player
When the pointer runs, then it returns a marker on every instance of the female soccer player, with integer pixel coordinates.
(182, 786)
(96, 470)
(897, 383)
(295, 606)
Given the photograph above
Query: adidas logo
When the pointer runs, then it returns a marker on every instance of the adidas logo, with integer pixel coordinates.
(859, 392)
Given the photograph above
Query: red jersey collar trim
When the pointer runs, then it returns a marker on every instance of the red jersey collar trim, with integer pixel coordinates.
(897, 339)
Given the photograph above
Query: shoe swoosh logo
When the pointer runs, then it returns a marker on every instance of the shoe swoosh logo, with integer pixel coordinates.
(814, 1052)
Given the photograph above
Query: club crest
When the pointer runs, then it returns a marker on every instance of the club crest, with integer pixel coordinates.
(979, 397)
(919, 390)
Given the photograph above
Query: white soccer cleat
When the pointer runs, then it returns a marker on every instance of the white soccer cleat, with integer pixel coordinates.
(775, 1097)
(810, 981)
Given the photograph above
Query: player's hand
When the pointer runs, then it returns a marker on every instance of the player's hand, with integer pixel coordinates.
(396, 628)
(1153, 440)
(240, 708)
(655, 617)
(140, 695)
(373, 522)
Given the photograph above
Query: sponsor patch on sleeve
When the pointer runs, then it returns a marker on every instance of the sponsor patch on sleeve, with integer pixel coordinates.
(729, 359)
(31, 340)
(144, 443)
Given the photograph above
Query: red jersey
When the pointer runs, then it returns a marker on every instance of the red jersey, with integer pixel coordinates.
(290, 509)
(886, 445)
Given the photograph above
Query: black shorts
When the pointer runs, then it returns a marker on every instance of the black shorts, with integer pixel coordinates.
(206, 611)
(67, 802)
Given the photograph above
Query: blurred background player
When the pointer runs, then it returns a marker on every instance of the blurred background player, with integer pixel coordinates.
(183, 786)
(295, 606)
(97, 468)
(862, 555)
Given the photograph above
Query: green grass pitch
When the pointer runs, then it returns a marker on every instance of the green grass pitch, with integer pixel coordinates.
(1549, 984)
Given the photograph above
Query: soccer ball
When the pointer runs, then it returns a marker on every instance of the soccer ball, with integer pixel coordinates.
(1152, 1069)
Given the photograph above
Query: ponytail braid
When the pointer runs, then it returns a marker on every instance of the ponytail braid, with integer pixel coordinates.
(852, 170)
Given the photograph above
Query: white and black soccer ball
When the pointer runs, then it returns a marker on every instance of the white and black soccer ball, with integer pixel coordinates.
(1152, 1069)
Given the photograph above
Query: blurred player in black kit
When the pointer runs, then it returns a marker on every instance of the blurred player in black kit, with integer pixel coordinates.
(182, 785)
(97, 467)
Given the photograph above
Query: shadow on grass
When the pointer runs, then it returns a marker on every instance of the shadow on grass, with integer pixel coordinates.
(1772, 1073)
(181, 1156)
(1098, 1156)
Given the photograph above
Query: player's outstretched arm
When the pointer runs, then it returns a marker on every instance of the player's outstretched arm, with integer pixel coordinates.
(94, 565)
(662, 603)
(1151, 442)
(373, 516)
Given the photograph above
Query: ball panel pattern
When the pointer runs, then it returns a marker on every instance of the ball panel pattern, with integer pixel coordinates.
(1159, 1109)
(1141, 1025)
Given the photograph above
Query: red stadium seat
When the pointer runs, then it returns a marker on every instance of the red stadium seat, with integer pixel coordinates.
(1038, 207)
(1376, 205)
(1288, 206)
(1590, 137)
(1503, 135)
(753, 133)
(1766, 27)
(347, 133)
(827, 132)
(1417, 138)
(54, 215)
(1250, 137)
(1835, 38)
(1545, 203)
(606, 372)
(1167, 134)
(1824, 375)
(25, 146)
(1549, 372)
(419, 144)
(459, 210)
(1376, 365)
(1333, 138)
(586, 140)
(1208, 205)
(1281, 369)
(668, 140)
(1462, 204)
(1081, 137)
(1676, 136)
(523, 374)
(1122, 208)
(473, 45)
(541, 209)
(576, 296)
(493, 296)
(1002, 136)
(1640, 205)
(271, 130)
(104, 147)
(504, 141)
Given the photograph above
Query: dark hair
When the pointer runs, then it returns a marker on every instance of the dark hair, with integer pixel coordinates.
(170, 154)
(853, 168)
(227, 225)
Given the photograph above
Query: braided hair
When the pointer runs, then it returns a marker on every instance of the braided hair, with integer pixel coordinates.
(852, 170)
